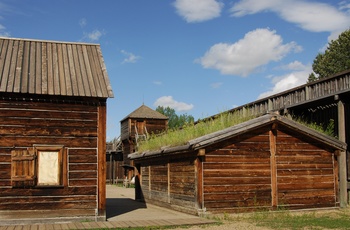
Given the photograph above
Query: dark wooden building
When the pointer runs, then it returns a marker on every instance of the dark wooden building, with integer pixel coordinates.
(265, 163)
(53, 130)
(321, 101)
(136, 127)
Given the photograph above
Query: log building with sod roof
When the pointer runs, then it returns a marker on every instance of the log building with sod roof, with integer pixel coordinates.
(265, 163)
(53, 130)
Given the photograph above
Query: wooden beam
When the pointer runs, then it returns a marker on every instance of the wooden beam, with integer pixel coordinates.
(201, 152)
(138, 187)
(342, 158)
(199, 183)
(273, 167)
(169, 187)
(101, 148)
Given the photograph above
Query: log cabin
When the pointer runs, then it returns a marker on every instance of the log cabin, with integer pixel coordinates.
(137, 126)
(53, 130)
(267, 163)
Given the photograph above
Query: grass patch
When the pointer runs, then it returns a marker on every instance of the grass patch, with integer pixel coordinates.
(293, 221)
(177, 137)
(180, 136)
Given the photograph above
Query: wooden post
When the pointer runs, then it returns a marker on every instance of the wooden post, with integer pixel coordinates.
(169, 187)
(101, 155)
(199, 180)
(273, 167)
(138, 186)
(342, 157)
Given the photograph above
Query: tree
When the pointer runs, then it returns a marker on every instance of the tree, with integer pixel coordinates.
(335, 59)
(175, 121)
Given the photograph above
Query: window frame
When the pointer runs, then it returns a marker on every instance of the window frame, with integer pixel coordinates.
(59, 149)
(25, 168)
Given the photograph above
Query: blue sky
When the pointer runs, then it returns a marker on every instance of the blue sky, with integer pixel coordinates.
(200, 57)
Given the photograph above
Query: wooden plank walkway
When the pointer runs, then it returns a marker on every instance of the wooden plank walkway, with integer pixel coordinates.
(112, 224)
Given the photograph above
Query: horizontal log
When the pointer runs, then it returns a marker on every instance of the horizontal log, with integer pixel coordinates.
(28, 141)
(236, 180)
(83, 175)
(311, 200)
(236, 159)
(291, 187)
(180, 179)
(5, 183)
(66, 191)
(299, 165)
(248, 166)
(302, 152)
(84, 151)
(82, 166)
(240, 203)
(47, 199)
(22, 214)
(8, 131)
(83, 182)
(46, 122)
(304, 159)
(306, 172)
(236, 188)
(56, 106)
(300, 180)
(82, 159)
(48, 114)
(51, 205)
(237, 196)
(219, 173)
(5, 157)
(305, 193)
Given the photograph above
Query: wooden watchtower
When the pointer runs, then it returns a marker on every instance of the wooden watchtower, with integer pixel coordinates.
(136, 127)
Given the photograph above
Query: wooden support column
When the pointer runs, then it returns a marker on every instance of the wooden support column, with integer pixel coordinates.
(101, 155)
(138, 186)
(273, 166)
(169, 187)
(199, 180)
(342, 157)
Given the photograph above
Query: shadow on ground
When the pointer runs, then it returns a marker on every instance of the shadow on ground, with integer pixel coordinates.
(119, 206)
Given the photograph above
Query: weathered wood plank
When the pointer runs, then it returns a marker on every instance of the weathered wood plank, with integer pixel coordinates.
(29, 141)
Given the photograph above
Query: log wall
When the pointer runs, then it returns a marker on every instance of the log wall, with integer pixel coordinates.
(170, 183)
(306, 174)
(71, 124)
(237, 176)
(256, 172)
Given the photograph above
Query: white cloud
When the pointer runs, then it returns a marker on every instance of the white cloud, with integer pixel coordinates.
(311, 16)
(157, 82)
(344, 5)
(168, 101)
(130, 57)
(296, 65)
(95, 35)
(257, 48)
(290, 80)
(216, 85)
(198, 10)
(3, 32)
(82, 22)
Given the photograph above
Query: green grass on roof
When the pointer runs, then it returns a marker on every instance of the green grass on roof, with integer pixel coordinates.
(177, 137)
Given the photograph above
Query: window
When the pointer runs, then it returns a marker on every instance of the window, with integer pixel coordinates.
(40, 166)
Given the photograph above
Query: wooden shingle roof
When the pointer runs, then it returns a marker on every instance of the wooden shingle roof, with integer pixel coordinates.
(53, 68)
(146, 112)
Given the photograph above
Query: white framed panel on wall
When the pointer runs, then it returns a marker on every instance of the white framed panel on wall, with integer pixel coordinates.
(49, 165)
(48, 168)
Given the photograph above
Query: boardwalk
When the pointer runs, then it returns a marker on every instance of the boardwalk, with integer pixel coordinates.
(123, 212)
